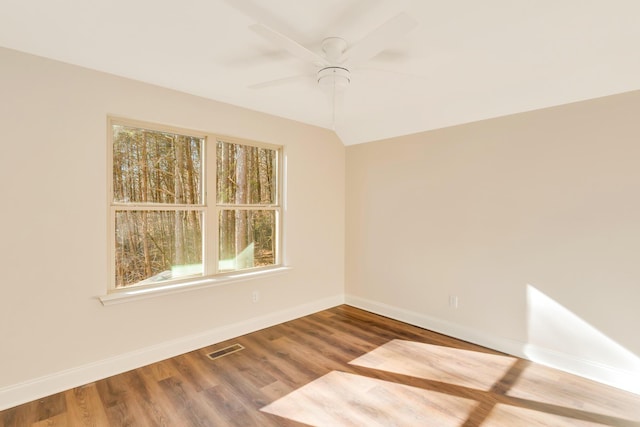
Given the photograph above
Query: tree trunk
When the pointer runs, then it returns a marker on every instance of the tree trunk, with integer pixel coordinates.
(241, 198)
(178, 192)
(143, 198)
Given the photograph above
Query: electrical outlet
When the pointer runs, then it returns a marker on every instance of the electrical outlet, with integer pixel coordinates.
(453, 301)
(255, 296)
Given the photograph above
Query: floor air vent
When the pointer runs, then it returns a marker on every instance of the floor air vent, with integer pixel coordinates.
(225, 351)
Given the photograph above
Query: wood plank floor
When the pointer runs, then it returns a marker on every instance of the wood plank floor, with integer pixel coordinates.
(339, 367)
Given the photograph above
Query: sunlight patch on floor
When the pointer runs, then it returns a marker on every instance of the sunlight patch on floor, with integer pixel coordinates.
(476, 383)
(506, 415)
(341, 399)
(437, 363)
(550, 386)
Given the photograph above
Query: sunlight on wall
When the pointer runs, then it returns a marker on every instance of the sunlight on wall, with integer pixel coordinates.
(560, 339)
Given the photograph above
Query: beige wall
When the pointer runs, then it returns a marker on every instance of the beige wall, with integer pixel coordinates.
(549, 198)
(53, 244)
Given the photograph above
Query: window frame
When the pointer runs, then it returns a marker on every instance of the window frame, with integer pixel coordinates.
(209, 208)
(276, 206)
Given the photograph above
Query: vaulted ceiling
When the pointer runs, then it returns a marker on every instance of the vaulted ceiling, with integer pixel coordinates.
(465, 60)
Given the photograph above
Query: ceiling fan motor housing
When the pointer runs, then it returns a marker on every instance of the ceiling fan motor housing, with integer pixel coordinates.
(334, 77)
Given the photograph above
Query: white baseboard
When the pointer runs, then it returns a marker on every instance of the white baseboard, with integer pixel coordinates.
(597, 371)
(37, 388)
(444, 327)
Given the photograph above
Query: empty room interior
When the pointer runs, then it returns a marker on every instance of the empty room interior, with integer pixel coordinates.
(348, 212)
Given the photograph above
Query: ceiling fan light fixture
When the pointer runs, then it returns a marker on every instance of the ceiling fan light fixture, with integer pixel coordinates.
(337, 78)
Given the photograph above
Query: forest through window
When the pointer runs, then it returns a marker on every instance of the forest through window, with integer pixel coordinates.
(168, 224)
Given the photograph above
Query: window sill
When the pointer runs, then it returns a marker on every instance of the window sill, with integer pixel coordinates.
(138, 293)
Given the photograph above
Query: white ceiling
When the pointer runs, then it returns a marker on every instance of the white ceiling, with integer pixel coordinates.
(467, 60)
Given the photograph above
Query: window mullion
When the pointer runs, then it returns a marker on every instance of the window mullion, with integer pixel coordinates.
(210, 256)
(248, 207)
(157, 207)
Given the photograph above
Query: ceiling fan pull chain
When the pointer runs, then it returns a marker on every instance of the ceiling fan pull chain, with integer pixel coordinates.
(333, 113)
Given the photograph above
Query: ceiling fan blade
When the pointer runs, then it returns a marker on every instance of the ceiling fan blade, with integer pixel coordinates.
(291, 46)
(380, 38)
(394, 72)
(280, 82)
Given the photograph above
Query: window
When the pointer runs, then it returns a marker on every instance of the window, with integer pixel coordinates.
(186, 204)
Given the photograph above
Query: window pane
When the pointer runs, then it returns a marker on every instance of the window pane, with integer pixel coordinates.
(153, 246)
(247, 239)
(156, 167)
(246, 174)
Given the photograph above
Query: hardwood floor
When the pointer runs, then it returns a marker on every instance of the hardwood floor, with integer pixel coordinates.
(339, 367)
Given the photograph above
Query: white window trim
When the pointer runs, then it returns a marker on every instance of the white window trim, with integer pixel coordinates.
(214, 278)
(136, 293)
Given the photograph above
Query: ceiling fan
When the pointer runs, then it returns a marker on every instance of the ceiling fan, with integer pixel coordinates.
(337, 58)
